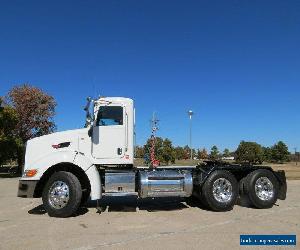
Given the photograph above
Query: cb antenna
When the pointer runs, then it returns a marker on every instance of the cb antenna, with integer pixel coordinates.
(154, 124)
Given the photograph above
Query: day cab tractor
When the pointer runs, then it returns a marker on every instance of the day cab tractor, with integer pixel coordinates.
(68, 168)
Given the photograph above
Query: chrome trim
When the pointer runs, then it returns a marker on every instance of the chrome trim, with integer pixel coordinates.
(222, 190)
(264, 188)
(120, 182)
(120, 194)
(165, 183)
(58, 194)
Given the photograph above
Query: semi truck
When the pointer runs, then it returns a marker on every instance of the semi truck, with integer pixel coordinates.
(68, 168)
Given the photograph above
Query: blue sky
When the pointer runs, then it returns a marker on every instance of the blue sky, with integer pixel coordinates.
(235, 63)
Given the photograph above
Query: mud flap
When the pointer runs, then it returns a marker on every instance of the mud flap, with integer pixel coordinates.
(280, 176)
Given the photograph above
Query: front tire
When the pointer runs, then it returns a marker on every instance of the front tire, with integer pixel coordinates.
(62, 194)
(261, 186)
(220, 191)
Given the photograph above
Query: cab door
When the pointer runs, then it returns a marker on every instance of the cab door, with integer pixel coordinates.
(109, 132)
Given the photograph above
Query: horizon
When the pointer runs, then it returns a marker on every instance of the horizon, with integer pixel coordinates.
(235, 64)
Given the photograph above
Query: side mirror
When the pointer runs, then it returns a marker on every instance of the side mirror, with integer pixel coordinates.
(88, 117)
(88, 121)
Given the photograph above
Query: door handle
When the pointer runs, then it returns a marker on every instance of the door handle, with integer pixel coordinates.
(119, 151)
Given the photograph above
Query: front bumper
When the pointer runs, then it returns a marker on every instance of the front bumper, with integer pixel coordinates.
(26, 188)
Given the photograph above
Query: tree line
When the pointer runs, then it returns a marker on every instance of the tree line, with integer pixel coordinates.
(246, 152)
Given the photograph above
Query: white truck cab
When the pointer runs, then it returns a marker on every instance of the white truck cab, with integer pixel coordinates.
(68, 168)
(108, 140)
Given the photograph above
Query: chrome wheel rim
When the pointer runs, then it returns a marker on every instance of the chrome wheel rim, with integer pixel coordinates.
(264, 188)
(58, 195)
(222, 190)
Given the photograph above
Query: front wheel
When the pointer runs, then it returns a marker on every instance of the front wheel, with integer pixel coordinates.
(62, 194)
(220, 191)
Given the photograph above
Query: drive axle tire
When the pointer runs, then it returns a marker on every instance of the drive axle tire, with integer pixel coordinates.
(261, 187)
(220, 191)
(62, 194)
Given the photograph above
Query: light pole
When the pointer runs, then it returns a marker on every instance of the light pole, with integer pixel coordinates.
(296, 158)
(190, 113)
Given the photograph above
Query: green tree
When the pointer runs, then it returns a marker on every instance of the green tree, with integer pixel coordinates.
(168, 153)
(179, 153)
(139, 152)
(34, 110)
(280, 152)
(267, 152)
(202, 154)
(10, 143)
(164, 151)
(187, 152)
(214, 153)
(194, 153)
(226, 152)
(249, 152)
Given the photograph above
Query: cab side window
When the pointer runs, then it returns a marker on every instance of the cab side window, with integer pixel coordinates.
(110, 116)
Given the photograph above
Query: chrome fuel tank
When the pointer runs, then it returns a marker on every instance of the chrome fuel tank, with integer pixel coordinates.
(165, 183)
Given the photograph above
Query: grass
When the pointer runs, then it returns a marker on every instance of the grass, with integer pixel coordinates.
(292, 171)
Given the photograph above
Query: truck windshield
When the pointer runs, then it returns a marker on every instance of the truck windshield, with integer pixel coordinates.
(110, 115)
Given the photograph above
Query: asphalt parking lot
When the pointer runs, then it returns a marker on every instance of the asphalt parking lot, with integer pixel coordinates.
(136, 224)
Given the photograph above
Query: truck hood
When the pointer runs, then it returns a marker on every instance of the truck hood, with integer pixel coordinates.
(40, 147)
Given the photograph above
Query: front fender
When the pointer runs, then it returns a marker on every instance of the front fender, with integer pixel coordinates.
(78, 159)
(49, 160)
